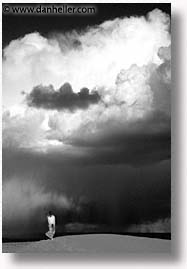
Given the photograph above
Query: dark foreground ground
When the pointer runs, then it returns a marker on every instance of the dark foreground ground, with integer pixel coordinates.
(91, 244)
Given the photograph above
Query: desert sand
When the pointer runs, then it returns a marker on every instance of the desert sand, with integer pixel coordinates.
(91, 244)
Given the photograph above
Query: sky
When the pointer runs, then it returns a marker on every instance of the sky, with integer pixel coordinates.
(86, 118)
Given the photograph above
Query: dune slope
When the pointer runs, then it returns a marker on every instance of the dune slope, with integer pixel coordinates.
(97, 243)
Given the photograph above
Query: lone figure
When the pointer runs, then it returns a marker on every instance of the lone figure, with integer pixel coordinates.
(51, 225)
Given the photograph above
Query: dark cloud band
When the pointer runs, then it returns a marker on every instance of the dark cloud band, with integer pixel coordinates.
(64, 98)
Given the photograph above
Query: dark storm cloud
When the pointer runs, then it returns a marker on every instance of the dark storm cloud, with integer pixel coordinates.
(138, 143)
(63, 98)
(100, 194)
(137, 153)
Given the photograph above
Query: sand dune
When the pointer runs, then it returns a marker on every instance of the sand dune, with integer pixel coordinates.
(97, 243)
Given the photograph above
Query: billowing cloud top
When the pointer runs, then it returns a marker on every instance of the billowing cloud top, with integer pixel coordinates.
(126, 113)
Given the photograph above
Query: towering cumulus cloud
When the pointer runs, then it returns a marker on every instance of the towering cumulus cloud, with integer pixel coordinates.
(125, 63)
(91, 97)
